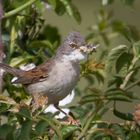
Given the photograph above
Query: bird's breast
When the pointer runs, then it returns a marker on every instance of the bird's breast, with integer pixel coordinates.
(65, 76)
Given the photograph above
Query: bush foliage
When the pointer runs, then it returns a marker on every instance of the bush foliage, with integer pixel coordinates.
(110, 76)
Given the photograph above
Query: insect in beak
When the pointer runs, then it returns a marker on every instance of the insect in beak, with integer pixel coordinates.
(89, 48)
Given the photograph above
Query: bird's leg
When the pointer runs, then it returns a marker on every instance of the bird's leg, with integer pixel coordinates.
(71, 120)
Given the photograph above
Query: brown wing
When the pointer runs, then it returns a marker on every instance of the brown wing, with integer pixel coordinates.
(39, 73)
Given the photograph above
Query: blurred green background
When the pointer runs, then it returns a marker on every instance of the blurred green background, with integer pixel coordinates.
(88, 10)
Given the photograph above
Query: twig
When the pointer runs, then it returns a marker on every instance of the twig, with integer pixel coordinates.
(1, 47)
(17, 10)
(132, 85)
(88, 122)
(130, 73)
(54, 127)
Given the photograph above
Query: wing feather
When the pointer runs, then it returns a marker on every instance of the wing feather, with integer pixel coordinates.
(39, 73)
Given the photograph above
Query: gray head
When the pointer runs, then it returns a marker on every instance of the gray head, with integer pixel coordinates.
(74, 47)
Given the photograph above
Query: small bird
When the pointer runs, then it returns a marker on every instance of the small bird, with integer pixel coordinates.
(53, 80)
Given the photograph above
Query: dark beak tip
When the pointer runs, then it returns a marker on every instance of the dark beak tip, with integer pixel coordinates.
(94, 47)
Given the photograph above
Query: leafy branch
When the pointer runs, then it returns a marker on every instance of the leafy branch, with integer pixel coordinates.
(130, 73)
(17, 10)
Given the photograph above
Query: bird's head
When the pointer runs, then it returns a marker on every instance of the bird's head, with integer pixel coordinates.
(74, 48)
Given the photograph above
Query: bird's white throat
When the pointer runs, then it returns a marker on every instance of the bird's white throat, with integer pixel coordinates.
(75, 55)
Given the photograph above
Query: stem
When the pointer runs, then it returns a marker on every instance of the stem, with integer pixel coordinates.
(13, 36)
(54, 127)
(90, 119)
(132, 85)
(88, 122)
(130, 72)
(1, 47)
(17, 10)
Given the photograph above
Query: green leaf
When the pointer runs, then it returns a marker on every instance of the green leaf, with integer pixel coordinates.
(107, 2)
(17, 3)
(128, 2)
(67, 131)
(134, 32)
(93, 96)
(76, 13)
(72, 10)
(99, 74)
(136, 48)
(51, 34)
(25, 131)
(60, 8)
(52, 3)
(5, 130)
(89, 99)
(115, 80)
(3, 107)
(114, 55)
(129, 32)
(89, 78)
(123, 62)
(25, 112)
(7, 100)
(117, 95)
(135, 135)
(40, 43)
(19, 60)
(118, 130)
(124, 116)
(41, 126)
(100, 135)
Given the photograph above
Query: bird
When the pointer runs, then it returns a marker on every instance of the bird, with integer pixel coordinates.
(53, 80)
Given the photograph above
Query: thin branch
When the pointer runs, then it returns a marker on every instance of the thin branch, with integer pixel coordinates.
(17, 10)
(88, 122)
(130, 73)
(132, 85)
(1, 47)
(54, 127)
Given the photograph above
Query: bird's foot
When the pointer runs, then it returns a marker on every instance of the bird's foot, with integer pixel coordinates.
(71, 121)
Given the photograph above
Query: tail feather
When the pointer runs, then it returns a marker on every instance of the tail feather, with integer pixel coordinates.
(9, 69)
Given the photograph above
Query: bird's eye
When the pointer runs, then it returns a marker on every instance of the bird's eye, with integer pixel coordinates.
(73, 45)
